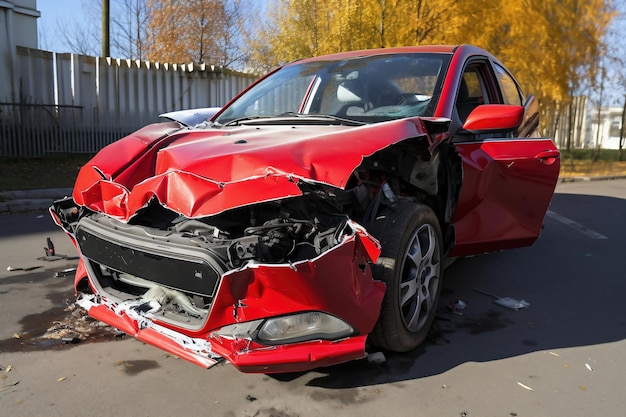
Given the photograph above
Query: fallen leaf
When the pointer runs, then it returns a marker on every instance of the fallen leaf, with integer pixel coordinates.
(588, 367)
(63, 378)
(16, 336)
(6, 371)
(554, 354)
(525, 386)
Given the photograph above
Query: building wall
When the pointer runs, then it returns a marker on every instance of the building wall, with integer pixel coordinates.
(18, 27)
(609, 128)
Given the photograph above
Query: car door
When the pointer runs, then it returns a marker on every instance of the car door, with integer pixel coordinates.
(508, 178)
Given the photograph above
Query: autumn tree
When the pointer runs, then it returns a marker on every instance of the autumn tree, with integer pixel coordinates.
(186, 31)
(296, 29)
(551, 45)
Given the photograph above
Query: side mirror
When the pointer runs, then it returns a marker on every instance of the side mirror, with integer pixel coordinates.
(489, 118)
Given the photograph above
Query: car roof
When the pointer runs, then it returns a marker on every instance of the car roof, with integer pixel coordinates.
(443, 49)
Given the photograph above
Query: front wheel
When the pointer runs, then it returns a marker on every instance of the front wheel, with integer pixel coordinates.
(410, 264)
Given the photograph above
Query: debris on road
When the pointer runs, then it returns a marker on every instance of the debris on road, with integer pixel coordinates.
(526, 387)
(456, 307)
(51, 254)
(64, 272)
(376, 358)
(6, 387)
(77, 327)
(507, 302)
(19, 268)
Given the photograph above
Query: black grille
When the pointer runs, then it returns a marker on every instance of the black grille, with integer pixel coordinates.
(193, 270)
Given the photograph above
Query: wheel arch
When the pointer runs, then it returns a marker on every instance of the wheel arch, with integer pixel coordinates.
(431, 175)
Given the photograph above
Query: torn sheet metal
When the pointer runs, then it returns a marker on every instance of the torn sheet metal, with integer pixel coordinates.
(204, 172)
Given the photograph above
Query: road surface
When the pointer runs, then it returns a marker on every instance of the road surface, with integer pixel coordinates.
(562, 356)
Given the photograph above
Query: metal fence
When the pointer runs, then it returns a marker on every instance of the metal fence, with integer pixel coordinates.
(78, 104)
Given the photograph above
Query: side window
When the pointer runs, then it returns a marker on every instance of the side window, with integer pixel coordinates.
(472, 91)
(478, 85)
(510, 92)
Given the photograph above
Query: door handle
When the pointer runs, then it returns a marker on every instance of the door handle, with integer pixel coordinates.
(548, 157)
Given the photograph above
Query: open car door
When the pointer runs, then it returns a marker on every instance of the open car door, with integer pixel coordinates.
(507, 185)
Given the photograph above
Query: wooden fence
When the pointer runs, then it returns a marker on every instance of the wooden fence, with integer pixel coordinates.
(78, 104)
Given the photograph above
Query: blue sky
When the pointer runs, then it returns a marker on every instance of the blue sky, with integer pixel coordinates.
(53, 11)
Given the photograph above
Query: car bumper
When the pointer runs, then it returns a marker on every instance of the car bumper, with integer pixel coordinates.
(338, 283)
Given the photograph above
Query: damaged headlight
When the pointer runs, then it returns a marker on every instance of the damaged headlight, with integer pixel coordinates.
(302, 327)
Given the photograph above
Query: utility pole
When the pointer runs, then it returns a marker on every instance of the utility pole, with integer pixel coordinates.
(106, 46)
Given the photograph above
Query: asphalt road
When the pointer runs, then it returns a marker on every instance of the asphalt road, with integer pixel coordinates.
(562, 356)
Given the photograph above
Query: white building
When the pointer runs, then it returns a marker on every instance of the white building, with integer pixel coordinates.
(18, 27)
(605, 134)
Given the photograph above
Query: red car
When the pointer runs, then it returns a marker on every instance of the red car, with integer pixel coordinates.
(313, 213)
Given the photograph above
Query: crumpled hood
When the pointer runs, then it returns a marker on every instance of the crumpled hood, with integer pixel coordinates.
(204, 172)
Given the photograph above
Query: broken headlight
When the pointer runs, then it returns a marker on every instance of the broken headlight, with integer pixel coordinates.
(300, 327)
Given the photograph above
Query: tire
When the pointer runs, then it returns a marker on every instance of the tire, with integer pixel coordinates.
(411, 266)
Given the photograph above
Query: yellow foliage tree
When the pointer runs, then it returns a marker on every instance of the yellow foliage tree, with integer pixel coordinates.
(551, 45)
(297, 29)
(185, 31)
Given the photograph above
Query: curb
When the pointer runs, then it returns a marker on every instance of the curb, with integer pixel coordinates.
(30, 200)
(588, 178)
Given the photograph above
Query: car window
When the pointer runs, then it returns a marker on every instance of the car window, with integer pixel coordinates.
(367, 89)
(472, 92)
(510, 92)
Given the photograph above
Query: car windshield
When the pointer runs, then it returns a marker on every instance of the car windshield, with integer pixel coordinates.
(365, 89)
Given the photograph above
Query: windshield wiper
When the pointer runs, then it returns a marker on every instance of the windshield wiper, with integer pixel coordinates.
(287, 118)
(238, 120)
(310, 119)
(340, 120)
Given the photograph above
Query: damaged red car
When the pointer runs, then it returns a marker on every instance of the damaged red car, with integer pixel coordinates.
(312, 214)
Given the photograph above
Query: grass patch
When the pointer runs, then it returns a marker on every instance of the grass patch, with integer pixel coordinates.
(605, 155)
(591, 162)
(58, 171)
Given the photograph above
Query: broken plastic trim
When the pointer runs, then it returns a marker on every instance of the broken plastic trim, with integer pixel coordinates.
(197, 346)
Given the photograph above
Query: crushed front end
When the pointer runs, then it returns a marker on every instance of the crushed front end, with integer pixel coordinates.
(280, 286)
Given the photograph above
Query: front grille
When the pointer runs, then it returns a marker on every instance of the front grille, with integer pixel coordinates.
(189, 269)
